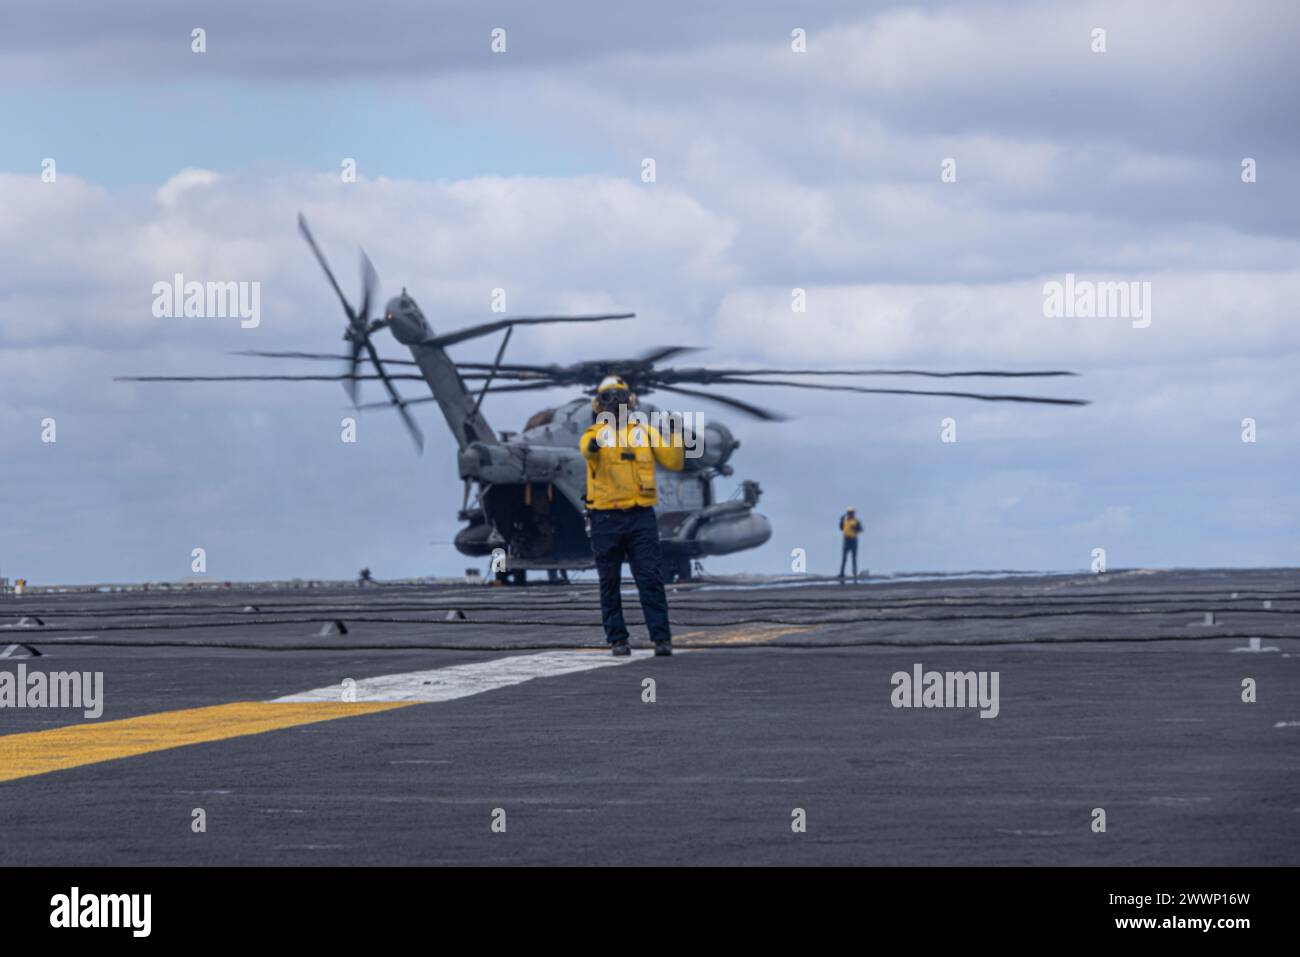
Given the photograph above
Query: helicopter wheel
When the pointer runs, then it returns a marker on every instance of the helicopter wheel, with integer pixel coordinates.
(676, 568)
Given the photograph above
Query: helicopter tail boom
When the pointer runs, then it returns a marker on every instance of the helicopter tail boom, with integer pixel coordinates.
(459, 406)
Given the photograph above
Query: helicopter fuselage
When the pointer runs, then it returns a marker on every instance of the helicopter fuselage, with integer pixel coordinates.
(533, 484)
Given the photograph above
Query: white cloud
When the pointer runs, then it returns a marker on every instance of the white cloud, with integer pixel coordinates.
(187, 179)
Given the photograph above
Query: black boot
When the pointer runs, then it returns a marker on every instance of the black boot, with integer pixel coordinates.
(620, 649)
(663, 648)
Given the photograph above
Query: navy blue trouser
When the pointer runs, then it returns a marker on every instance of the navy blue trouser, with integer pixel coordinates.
(850, 548)
(632, 535)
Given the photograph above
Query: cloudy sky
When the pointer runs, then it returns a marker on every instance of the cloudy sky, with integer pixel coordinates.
(775, 170)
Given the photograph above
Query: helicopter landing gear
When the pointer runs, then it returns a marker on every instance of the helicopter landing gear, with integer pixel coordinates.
(517, 577)
(676, 568)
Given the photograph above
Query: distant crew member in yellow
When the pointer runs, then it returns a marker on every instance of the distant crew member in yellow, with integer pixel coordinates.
(621, 452)
(850, 528)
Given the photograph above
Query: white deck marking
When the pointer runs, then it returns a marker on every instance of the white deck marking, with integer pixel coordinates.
(461, 681)
(31, 753)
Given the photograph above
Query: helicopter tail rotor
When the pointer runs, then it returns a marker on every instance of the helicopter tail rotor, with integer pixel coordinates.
(357, 333)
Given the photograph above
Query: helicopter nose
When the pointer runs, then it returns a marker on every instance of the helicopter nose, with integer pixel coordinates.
(406, 320)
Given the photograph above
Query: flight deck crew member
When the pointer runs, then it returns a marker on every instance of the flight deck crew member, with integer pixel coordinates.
(621, 497)
(851, 528)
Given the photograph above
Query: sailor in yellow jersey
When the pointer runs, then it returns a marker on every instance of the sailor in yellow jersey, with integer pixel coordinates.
(621, 495)
(851, 528)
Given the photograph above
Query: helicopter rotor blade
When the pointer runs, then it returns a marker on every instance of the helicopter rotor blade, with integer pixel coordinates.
(358, 334)
(487, 328)
(385, 404)
(329, 273)
(529, 386)
(252, 378)
(681, 375)
(664, 352)
(351, 364)
(755, 411)
(505, 341)
(397, 401)
(416, 435)
(328, 356)
(580, 373)
(982, 396)
(369, 280)
(558, 373)
(712, 374)
(523, 387)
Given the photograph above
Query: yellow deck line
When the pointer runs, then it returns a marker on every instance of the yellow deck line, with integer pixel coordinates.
(56, 749)
(747, 635)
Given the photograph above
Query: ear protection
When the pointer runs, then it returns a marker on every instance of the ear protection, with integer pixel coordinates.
(611, 384)
(597, 408)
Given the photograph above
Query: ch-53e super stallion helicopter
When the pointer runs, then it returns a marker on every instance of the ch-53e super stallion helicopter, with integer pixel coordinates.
(531, 484)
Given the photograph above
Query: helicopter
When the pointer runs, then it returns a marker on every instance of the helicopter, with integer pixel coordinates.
(529, 509)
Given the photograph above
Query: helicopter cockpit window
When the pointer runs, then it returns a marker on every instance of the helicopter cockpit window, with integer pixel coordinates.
(538, 419)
